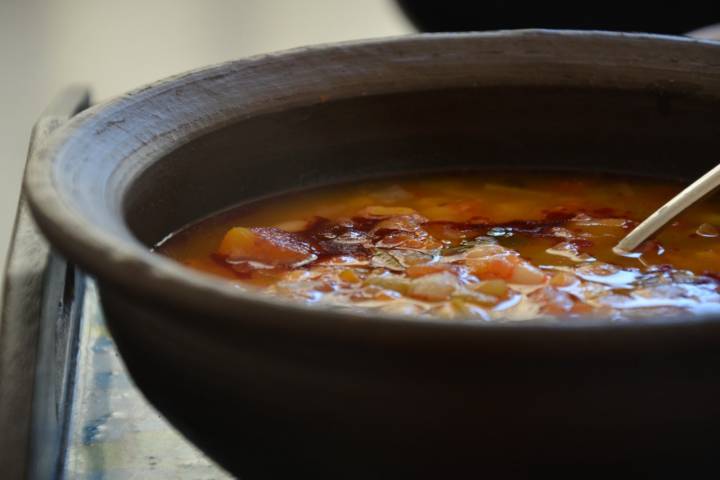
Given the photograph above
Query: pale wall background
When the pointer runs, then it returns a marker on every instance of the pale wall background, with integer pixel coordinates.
(116, 45)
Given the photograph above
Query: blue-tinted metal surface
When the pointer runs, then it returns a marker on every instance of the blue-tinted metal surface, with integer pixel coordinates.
(113, 433)
(68, 409)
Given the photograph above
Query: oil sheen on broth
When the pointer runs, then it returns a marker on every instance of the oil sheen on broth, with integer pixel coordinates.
(477, 247)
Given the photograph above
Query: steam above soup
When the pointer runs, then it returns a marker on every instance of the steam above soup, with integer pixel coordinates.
(476, 247)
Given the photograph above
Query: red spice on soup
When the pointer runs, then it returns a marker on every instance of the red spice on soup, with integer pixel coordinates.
(483, 246)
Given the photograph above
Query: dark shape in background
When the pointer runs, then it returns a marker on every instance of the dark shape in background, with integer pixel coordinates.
(618, 15)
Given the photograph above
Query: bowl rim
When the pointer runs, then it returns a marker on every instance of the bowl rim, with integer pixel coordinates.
(127, 264)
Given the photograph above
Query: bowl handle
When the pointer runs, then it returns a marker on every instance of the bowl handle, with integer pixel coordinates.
(20, 318)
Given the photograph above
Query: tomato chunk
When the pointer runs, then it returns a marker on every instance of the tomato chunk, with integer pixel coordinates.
(266, 245)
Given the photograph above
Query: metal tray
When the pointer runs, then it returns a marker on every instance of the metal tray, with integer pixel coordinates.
(68, 409)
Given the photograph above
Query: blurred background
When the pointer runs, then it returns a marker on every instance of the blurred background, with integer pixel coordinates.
(114, 46)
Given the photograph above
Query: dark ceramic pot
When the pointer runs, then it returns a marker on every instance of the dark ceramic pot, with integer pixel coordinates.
(272, 389)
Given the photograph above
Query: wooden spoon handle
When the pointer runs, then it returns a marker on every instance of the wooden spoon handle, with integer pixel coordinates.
(692, 194)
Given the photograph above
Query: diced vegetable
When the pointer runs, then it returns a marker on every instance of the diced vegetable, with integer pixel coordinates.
(400, 307)
(477, 298)
(422, 270)
(570, 251)
(389, 281)
(497, 288)
(486, 250)
(526, 274)
(349, 276)
(498, 266)
(563, 279)
(469, 310)
(553, 301)
(266, 245)
(434, 287)
(384, 259)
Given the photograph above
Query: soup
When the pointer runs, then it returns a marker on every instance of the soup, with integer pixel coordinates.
(480, 246)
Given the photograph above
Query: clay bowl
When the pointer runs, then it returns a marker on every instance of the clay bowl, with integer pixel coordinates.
(271, 389)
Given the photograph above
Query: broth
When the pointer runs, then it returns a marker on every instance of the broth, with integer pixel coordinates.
(477, 246)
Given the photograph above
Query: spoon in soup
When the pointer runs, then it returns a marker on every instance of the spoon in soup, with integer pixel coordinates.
(691, 195)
